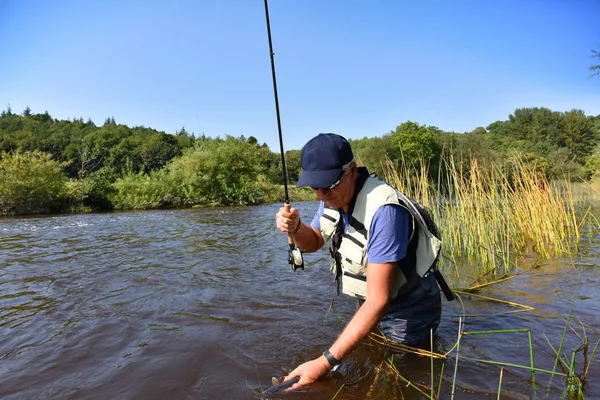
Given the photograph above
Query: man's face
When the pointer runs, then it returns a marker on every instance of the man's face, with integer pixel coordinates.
(340, 193)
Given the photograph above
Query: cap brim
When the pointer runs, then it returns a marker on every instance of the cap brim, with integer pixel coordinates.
(318, 179)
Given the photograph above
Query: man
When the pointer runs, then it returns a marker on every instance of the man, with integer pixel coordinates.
(376, 234)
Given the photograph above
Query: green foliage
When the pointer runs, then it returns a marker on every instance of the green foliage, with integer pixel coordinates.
(30, 182)
(116, 165)
(140, 191)
(498, 128)
(88, 148)
(539, 126)
(592, 165)
(220, 171)
(157, 150)
(373, 152)
(416, 142)
(214, 172)
(463, 148)
(561, 166)
(94, 191)
(292, 162)
(578, 134)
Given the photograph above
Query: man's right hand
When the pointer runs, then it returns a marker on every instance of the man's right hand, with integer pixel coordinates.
(287, 219)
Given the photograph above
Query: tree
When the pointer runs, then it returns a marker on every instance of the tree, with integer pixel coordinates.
(578, 134)
(595, 68)
(30, 182)
(157, 150)
(374, 152)
(184, 138)
(498, 128)
(27, 112)
(416, 142)
(218, 171)
(293, 166)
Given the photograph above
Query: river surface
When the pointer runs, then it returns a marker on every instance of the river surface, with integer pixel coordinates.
(201, 304)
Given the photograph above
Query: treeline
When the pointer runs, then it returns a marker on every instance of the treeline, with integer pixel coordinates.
(559, 144)
(49, 165)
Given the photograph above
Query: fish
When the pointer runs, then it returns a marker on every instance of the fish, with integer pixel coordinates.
(279, 386)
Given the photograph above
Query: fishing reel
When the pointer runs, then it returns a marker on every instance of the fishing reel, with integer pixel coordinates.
(295, 258)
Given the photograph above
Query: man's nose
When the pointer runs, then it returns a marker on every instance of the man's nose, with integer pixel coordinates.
(322, 192)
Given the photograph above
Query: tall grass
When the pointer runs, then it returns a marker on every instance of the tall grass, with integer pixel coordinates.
(489, 215)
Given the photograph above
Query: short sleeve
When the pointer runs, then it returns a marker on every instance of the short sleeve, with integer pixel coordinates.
(316, 221)
(389, 234)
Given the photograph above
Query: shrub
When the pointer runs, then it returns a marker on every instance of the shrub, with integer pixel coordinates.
(30, 182)
(93, 191)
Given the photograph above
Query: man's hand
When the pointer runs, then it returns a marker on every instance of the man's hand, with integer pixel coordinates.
(287, 220)
(309, 372)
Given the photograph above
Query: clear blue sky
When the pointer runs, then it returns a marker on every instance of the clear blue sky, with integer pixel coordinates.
(358, 68)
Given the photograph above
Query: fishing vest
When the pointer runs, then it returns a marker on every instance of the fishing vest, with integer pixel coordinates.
(350, 254)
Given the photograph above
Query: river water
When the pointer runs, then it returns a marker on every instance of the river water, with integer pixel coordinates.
(201, 304)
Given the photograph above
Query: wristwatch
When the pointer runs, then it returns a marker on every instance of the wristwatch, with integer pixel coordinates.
(335, 364)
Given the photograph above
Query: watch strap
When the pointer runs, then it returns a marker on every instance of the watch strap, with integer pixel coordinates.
(331, 359)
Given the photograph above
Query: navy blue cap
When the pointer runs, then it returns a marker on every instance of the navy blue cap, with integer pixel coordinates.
(322, 159)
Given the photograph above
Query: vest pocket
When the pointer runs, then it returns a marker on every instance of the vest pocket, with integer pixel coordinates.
(351, 253)
(354, 285)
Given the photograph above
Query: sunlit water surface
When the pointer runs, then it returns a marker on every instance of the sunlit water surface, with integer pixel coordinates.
(201, 304)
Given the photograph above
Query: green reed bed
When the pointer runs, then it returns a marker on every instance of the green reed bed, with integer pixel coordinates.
(490, 215)
(572, 372)
(493, 217)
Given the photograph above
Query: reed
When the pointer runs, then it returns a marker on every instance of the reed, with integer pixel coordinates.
(494, 217)
(500, 383)
(574, 375)
(490, 216)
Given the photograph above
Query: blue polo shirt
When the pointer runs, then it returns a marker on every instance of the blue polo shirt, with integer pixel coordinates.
(388, 236)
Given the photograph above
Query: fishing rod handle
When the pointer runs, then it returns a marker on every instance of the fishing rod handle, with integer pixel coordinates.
(295, 258)
(288, 206)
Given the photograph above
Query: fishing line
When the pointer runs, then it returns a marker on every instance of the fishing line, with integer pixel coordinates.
(294, 253)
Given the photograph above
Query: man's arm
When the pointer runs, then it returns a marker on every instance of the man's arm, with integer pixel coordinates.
(379, 284)
(380, 278)
(308, 239)
(305, 236)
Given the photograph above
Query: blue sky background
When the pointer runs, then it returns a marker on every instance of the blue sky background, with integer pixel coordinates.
(358, 68)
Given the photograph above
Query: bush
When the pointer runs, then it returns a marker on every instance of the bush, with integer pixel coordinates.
(223, 172)
(30, 182)
(93, 192)
(140, 191)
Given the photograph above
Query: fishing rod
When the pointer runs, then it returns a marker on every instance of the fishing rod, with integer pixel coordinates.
(294, 253)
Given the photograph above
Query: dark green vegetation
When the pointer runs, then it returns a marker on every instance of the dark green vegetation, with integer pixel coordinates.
(50, 165)
(562, 144)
